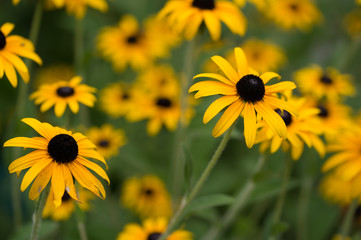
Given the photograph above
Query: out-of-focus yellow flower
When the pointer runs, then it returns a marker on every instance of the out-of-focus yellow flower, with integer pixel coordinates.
(294, 13)
(53, 74)
(68, 205)
(107, 139)
(147, 196)
(319, 83)
(77, 7)
(301, 130)
(187, 15)
(11, 47)
(352, 23)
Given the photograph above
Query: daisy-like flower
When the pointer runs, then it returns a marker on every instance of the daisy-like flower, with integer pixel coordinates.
(244, 92)
(130, 44)
(54, 73)
(185, 16)
(151, 229)
(107, 139)
(147, 196)
(117, 99)
(68, 205)
(62, 94)
(352, 23)
(11, 47)
(59, 156)
(294, 13)
(329, 84)
(301, 130)
(77, 7)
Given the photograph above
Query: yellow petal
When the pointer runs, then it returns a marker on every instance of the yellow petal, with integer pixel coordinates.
(273, 120)
(41, 181)
(37, 143)
(336, 160)
(278, 103)
(217, 106)
(44, 129)
(60, 108)
(215, 76)
(228, 118)
(6, 28)
(208, 88)
(58, 184)
(69, 183)
(242, 66)
(213, 24)
(10, 73)
(228, 70)
(268, 76)
(93, 167)
(250, 122)
(74, 106)
(33, 172)
(92, 154)
(27, 161)
(280, 87)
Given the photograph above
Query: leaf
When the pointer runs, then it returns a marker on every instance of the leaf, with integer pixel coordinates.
(209, 202)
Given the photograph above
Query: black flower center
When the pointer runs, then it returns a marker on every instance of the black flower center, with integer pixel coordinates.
(65, 91)
(63, 148)
(294, 7)
(154, 236)
(2, 40)
(323, 111)
(204, 4)
(251, 88)
(132, 39)
(148, 192)
(326, 80)
(103, 143)
(66, 197)
(125, 96)
(164, 102)
(286, 116)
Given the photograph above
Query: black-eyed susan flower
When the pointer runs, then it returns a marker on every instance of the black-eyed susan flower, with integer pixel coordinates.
(54, 73)
(117, 99)
(352, 23)
(294, 13)
(77, 7)
(186, 16)
(301, 130)
(68, 205)
(11, 47)
(59, 156)
(319, 83)
(151, 229)
(107, 139)
(244, 92)
(61, 94)
(130, 44)
(147, 196)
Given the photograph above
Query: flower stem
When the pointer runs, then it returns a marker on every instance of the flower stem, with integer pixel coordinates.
(347, 221)
(80, 223)
(39, 212)
(281, 198)
(303, 208)
(237, 205)
(188, 199)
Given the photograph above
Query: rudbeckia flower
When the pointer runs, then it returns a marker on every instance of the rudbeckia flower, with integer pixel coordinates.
(11, 47)
(319, 83)
(62, 94)
(187, 15)
(244, 92)
(59, 156)
(151, 229)
(107, 139)
(294, 13)
(147, 196)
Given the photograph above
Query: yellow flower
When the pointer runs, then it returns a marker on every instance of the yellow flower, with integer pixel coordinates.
(117, 99)
(77, 7)
(244, 91)
(59, 156)
(187, 15)
(12, 46)
(151, 229)
(130, 44)
(329, 84)
(107, 139)
(300, 130)
(352, 23)
(54, 73)
(68, 205)
(62, 94)
(294, 13)
(147, 196)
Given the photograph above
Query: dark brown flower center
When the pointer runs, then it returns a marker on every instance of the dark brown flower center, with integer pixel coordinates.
(125, 96)
(103, 143)
(326, 80)
(2, 40)
(250, 88)
(66, 197)
(285, 115)
(154, 236)
(323, 111)
(148, 192)
(164, 102)
(63, 148)
(294, 7)
(65, 91)
(203, 4)
(132, 39)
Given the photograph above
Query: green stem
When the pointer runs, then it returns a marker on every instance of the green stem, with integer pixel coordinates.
(237, 205)
(305, 193)
(282, 196)
(178, 163)
(347, 221)
(80, 223)
(38, 213)
(186, 200)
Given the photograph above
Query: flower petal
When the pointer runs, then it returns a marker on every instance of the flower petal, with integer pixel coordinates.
(215, 76)
(94, 167)
(280, 87)
(268, 76)
(41, 181)
(273, 120)
(58, 184)
(44, 129)
(228, 118)
(217, 106)
(35, 142)
(208, 88)
(242, 66)
(213, 24)
(250, 122)
(33, 172)
(27, 161)
(228, 70)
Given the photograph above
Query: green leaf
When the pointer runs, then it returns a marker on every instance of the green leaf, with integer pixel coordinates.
(47, 228)
(209, 202)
